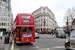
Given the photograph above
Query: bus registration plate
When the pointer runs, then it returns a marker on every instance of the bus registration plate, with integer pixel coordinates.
(27, 35)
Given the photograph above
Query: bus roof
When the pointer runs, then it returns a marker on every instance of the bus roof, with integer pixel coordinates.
(24, 14)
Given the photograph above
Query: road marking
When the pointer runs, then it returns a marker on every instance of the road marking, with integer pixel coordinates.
(34, 47)
(41, 49)
(16, 49)
(59, 46)
(48, 48)
(12, 47)
(34, 44)
(52, 48)
(37, 47)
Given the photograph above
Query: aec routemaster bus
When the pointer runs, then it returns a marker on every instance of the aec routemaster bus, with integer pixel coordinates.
(24, 28)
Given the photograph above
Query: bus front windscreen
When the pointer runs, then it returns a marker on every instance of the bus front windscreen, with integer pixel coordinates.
(27, 29)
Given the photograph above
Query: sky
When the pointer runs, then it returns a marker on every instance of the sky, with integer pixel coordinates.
(58, 7)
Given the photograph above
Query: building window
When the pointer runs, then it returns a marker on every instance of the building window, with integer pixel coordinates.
(6, 19)
(8, 24)
(1, 19)
(44, 29)
(1, 14)
(4, 0)
(1, 0)
(44, 8)
(41, 24)
(41, 29)
(6, 4)
(44, 22)
(47, 24)
(9, 10)
(2, 24)
(41, 19)
(6, 9)
(7, 1)
(2, 9)
(2, 4)
(6, 14)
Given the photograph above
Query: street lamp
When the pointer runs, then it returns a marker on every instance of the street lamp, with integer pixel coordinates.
(67, 27)
(67, 24)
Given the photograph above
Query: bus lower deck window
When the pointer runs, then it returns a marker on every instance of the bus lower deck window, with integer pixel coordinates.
(27, 29)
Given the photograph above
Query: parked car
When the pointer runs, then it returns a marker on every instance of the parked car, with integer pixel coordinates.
(70, 42)
(37, 35)
(43, 32)
(60, 34)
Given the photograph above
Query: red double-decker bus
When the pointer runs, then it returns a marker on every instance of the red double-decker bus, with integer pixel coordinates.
(24, 28)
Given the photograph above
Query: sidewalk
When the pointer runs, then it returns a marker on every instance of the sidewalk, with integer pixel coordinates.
(5, 46)
(47, 36)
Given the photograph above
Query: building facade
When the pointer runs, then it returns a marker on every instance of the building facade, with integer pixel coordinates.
(5, 15)
(73, 24)
(44, 19)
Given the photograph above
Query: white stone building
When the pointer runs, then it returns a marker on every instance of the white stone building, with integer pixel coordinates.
(73, 24)
(44, 19)
(5, 15)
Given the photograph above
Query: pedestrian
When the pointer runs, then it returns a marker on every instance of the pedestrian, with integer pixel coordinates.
(1, 34)
(50, 32)
(54, 31)
(6, 33)
(68, 33)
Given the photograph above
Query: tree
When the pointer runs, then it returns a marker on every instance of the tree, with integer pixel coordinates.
(70, 13)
